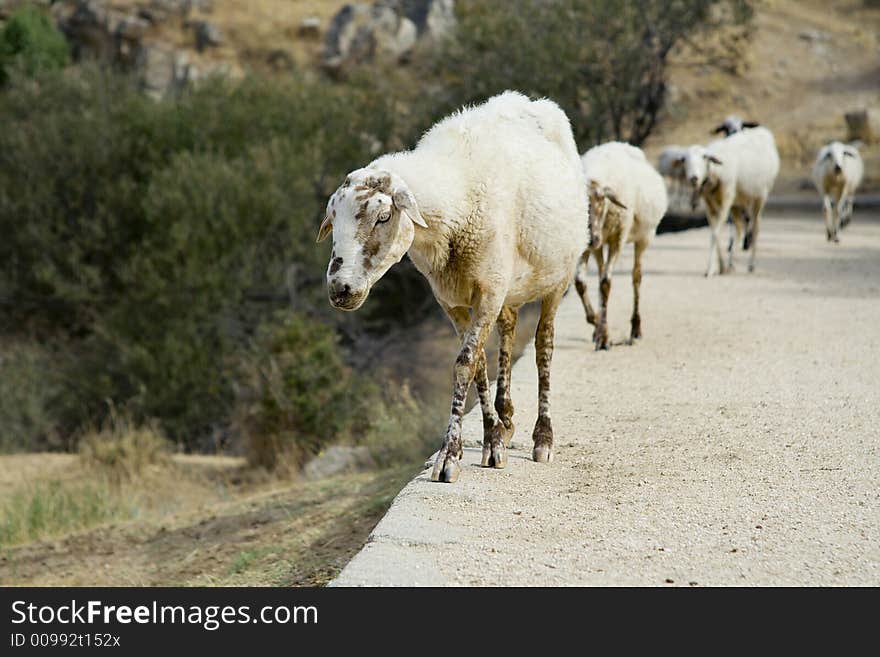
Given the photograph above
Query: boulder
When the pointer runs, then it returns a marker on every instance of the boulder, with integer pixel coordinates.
(385, 30)
(162, 70)
(863, 125)
(338, 460)
(207, 35)
(309, 28)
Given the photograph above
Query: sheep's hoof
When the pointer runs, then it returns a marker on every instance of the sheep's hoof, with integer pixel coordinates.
(446, 470)
(602, 342)
(446, 467)
(542, 454)
(507, 433)
(751, 269)
(494, 456)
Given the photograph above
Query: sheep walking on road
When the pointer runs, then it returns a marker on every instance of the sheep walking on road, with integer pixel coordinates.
(734, 176)
(837, 174)
(627, 201)
(733, 124)
(490, 207)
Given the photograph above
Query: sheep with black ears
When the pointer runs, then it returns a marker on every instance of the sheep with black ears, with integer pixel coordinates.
(733, 124)
(837, 174)
(734, 176)
(627, 201)
(490, 207)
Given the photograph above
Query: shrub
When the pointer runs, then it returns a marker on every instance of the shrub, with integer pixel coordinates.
(297, 394)
(603, 61)
(31, 43)
(157, 236)
(122, 449)
(28, 386)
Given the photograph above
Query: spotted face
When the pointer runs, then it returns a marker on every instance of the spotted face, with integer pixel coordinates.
(372, 217)
(601, 198)
(697, 161)
(834, 153)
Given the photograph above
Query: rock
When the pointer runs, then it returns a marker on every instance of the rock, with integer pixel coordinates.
(207, 35)
(813, 36)
(337, 460)
(863, 125)
(432, 18)
(163, 70)
(386, 30)
(309, 28)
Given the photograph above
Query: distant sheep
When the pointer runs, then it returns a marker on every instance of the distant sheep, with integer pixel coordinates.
(732, 125)
(734, 177)
(491, 208)
(837, 174)
(627, 201)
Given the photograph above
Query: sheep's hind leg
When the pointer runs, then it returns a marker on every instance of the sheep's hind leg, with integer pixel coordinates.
(446, 467)
(497, 436)
(580, 284)
(602, 340)
(543, 433)
(636, 321)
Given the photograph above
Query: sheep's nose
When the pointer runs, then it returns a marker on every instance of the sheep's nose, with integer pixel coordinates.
(339, 292)
(694, 180)
(836, 168)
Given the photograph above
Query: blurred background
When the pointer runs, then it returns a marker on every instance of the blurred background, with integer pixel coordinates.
(178, 402)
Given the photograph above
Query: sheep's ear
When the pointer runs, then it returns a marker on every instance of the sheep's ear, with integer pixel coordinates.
(608, 193)
(717, 129)
(712, 158)
(325, 229)
(750, 124)
(405, 202)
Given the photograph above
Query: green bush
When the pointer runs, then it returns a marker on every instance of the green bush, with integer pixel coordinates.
(158, 236)
(31, 43)
(28, 386)
(603, 61)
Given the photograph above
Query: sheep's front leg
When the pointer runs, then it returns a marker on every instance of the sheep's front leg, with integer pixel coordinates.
(738, 227)
(602, 341)
(543, 432)
(846, 208)
(460, 319)
(446, 467)
(580, 284)
(636, 321)
(754, 231)
(830, 233)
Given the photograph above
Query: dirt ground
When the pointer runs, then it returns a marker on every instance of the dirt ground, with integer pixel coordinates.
(207, 529)
(736, 444)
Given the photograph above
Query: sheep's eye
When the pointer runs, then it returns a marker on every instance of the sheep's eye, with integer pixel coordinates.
(383, 218)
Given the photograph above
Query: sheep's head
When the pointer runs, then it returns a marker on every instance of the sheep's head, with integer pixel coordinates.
(733, 124)
(697, 162)
(601, 197)
(834, 153)
(372, 217)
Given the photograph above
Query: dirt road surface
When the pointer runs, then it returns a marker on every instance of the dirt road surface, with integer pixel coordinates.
(738, 443)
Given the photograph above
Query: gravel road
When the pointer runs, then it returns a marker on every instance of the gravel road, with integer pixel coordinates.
(736, 444)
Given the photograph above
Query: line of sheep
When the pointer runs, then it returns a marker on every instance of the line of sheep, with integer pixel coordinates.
(495, 208)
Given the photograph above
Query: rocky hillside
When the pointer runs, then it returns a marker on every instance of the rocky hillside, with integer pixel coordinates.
(806, 64)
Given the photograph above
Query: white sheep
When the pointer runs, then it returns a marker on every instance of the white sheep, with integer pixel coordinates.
(734, 176)
(627, 201)
(490, 206)
(733, 124)
(837, 174)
